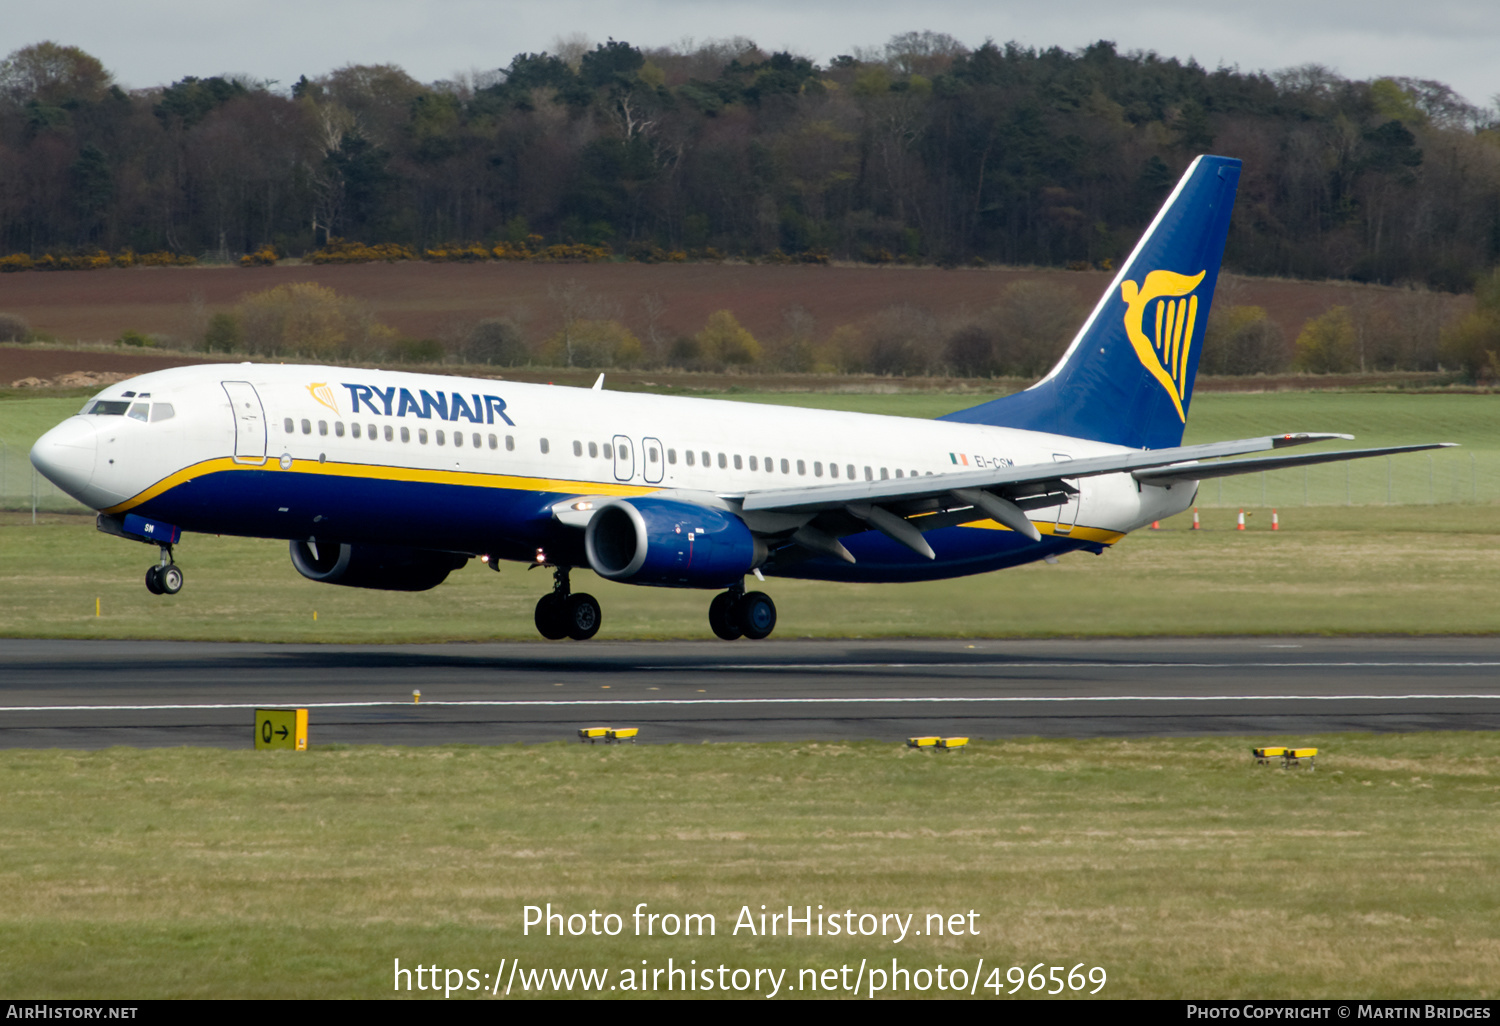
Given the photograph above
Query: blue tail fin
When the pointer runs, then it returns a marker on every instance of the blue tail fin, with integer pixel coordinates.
(1128, 376)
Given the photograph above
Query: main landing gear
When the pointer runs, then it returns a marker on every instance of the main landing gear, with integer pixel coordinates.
(165, 578)
(732, 614)
(565, 615)
(737, 613)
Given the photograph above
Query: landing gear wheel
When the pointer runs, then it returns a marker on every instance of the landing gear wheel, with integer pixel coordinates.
(153, 585)
(721, 616)
(549, 618)
(756, 615)
(169, 579)
(580, 614)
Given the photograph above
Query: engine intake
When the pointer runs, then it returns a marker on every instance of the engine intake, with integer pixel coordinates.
(386, 567)
(673, 544)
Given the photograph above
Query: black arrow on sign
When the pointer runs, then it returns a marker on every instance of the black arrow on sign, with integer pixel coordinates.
(281, 732)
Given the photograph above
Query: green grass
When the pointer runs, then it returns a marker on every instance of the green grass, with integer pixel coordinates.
(1402, 569)
(1179, 866)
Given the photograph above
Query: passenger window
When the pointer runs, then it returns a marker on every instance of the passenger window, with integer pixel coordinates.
(884, 474)
(323, 427)
(786, 467)
(801, 468)
(833, 470)
(388, 433)
(440, 437)
(510, 443)
(707, 459)
(898, 472)
(577, 448)
(652, 455)
(723, 463)
(771, 466)
(290, 427)
(458, 438)
(850, 469)
(306, 426)
(594, 450)
(545, 447)
(140, 412)
(475, 440)
(338, 428)
(406, 434)
(372, 432)
(753, 464)
(164, 411)
(817, 468)
(690, 457)
(622, 450)
(609, 452)
(354, 429)
(869, 476)
(422, 436)
(739, 464)
(672, 456)
(494, 442)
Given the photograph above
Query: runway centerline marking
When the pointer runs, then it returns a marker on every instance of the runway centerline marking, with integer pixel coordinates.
(933, 700)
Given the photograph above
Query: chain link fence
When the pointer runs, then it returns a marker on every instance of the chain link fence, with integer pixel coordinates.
(23, 489)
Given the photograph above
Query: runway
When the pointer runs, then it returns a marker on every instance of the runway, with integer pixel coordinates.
(87, 694)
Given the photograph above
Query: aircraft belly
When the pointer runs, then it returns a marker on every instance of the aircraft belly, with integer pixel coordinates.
(271, 504)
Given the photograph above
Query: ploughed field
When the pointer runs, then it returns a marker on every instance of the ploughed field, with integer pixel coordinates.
(428, 300)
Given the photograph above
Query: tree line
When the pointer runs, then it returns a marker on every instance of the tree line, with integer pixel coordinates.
(921, 151)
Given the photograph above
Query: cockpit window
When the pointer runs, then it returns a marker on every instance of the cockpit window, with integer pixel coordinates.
(108, 408)
(162, 411)
(140, 412)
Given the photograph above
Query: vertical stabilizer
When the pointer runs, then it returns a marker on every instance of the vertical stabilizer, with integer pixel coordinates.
(1128, 376)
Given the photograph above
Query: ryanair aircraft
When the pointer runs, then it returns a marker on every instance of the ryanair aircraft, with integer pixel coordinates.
(385, 479)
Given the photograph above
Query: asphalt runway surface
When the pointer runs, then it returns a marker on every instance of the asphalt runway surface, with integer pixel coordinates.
(94, 694)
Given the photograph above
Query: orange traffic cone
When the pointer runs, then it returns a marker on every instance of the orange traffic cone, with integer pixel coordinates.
(1195, 520)
(1240, 524)
(1156, 525)
(1275, 521)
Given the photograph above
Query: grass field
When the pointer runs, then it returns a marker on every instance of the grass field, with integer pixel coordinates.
(1179, 867)
(1403, 569)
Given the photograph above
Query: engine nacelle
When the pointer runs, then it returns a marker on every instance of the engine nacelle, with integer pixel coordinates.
(387, 567)
(676, 544)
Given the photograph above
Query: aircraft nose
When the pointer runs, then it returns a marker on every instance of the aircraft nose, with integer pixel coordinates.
(66, 454)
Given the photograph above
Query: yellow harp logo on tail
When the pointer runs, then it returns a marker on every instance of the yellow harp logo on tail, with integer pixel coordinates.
(1176, 312)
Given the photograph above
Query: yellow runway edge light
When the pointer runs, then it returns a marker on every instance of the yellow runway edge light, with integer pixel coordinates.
(592, 734)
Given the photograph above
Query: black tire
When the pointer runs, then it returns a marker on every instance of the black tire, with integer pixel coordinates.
(582, 617)
(169, 579)
(756, 615)
(721, 617)
(549, 618)
(152, 584)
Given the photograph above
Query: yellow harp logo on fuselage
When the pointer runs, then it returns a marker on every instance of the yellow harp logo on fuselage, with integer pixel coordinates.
(323, 394)
(1176, 313)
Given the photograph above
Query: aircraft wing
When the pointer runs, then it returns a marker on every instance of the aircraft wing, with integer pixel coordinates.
(1203, 471)
(813, 498)
(1003, 494)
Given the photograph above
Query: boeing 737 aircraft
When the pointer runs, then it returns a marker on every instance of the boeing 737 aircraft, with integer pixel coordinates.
(385, 479)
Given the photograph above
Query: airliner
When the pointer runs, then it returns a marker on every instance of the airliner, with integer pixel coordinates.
(393, 480)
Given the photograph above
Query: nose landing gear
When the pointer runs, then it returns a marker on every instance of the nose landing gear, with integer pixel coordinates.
(737, 613)
(565, 615)
(166, 577)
